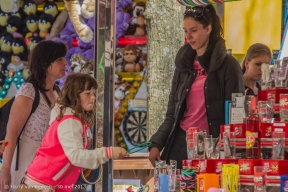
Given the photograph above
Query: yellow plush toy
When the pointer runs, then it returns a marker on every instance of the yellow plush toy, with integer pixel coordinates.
(75, 11)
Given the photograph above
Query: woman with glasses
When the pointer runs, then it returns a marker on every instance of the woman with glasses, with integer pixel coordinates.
(47, 64)
(205, 76)
(257, 54)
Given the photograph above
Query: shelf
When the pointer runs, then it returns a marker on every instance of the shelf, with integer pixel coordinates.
(60, 6)
(130, 76)
(136, 167)
(132, 40)
(132, 163)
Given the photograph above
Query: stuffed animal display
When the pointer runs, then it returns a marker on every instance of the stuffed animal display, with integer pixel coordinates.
(131, 58)
(130, 19)
(21, 28)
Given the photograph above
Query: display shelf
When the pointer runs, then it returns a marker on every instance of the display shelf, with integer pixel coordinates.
(136, 167)
(132, 40)
(60, 5)
(136, 163)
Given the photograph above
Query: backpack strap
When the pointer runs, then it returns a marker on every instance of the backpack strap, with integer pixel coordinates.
(57, 89)
(36, 102)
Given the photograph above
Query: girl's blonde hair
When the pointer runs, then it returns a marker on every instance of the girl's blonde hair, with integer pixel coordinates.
(256, 50)
(73, 86)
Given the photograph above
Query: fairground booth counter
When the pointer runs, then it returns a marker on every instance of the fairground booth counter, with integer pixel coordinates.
(130, 46)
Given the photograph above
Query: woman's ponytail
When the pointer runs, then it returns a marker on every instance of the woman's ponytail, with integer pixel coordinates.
(215, 21)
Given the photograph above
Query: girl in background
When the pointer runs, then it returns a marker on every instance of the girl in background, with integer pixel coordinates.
(63, 152)
(257, 54)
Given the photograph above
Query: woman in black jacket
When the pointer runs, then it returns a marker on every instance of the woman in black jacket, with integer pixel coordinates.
(205, 76)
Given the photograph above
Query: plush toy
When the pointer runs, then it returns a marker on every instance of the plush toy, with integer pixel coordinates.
(122, 23)
(117, 79)
(6, 45)
(81, 64)
(45, 23)
(33, 42)
(123, 3)
(51, 8)
(29, 7)
(4, 61)
(119, 60)
(3, 67)
(14, 26)
(2, 37)
(119, 95)
(68, 29)
(143, 62)
(15, 65)
(59, 24)
(137, 25)
(3, 20)
(20, 13)
(19, 48)
(76, 12)
(39, 1)
(130, 64)
(10, 5)
(31, 22)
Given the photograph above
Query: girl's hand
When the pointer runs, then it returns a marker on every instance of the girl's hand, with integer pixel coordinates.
(119, 153)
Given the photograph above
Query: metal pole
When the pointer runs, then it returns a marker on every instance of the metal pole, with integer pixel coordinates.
(108, 92)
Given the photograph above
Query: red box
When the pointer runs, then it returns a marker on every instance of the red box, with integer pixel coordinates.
(238, 128)
(200, 165)
(218, 164)
(266, 129)
(275, 167)
(246, 166)
(267, 94)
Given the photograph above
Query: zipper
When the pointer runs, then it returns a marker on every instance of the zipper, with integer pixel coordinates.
(189, 82)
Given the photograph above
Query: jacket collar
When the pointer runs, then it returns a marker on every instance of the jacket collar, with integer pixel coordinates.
(211, 60)
(56, 111)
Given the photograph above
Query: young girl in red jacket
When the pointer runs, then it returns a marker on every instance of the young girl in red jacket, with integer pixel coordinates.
(63, 153)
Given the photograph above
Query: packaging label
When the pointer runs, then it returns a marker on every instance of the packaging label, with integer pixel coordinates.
(238, 130)
(268, 131)
(250, 140)
(259, 181)
(283, 101)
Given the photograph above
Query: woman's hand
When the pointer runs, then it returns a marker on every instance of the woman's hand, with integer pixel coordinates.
(154, 155)
(5, 180)
(119, 153)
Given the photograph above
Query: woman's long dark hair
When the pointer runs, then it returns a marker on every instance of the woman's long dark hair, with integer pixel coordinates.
(42, 56)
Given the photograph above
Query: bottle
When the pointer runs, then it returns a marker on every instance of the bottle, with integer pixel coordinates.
(252, 130)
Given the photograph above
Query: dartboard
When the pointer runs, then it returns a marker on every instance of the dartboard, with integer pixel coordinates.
(135, 127)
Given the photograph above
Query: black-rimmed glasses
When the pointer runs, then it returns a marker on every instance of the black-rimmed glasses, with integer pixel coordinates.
(195, 12)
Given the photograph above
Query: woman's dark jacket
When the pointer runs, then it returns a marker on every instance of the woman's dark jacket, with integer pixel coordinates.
(224, 77)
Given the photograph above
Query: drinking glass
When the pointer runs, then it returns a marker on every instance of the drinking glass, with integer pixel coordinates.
(212, 148)
(266, 110)
(259, 179)
(229, 145)
(278, 144)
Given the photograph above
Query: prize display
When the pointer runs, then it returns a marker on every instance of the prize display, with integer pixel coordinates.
(130, 96)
